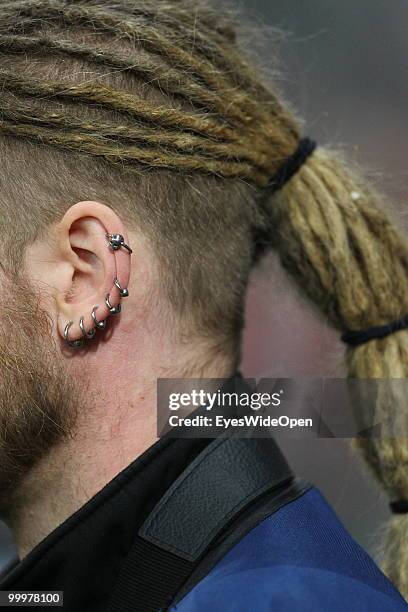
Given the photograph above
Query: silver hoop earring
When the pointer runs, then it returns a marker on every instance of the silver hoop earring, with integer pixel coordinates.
(123, 291)
(72, 343)
(88, 335)
(112, 309)
(116, 241)
(98, 324)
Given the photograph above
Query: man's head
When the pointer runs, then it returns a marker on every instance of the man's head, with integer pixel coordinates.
(104, 131)
(131, 105)
(144, 119)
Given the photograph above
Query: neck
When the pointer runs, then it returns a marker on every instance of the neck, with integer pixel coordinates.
(75, 470)
(110, 433)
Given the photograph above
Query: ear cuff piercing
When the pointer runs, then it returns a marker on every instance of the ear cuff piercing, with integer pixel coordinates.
(116, 241)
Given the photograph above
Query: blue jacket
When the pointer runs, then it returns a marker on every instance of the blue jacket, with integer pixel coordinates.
(299, 558)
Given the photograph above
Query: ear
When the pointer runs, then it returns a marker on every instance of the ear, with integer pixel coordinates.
(88, 268)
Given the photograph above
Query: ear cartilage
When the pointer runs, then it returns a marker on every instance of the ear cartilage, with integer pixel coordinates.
(116, 241)
(122, 290)
(112, 309)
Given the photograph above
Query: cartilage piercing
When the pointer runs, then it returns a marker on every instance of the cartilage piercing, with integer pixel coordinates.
(72, 343)
(116, 241)
(98, 324)
(123, 291)
(88, 335)
(112, 309)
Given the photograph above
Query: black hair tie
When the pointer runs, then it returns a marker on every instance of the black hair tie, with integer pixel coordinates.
(356, 337)
(399, 507)
(291, 165)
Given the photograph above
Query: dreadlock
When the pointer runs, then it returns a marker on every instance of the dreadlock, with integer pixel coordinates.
(152, 107)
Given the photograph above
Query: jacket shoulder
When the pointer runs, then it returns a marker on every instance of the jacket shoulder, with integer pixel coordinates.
(299, 558)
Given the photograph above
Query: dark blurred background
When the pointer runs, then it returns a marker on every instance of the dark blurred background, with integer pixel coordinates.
(344, 67)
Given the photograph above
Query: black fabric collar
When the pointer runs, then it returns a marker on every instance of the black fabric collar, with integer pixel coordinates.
(101, 533)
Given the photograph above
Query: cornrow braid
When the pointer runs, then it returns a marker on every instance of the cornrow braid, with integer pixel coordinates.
(146, 36)
(112, 99)
(19, 113)
(166, 79)
(214, 40)
(116, 101)
(149, 38)
(92, 89)
(100, 147)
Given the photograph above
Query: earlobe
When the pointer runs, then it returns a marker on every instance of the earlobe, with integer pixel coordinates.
(93, 244)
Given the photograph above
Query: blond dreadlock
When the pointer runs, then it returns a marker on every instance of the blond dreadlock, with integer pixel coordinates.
(170, 123)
